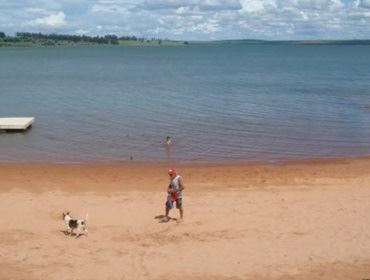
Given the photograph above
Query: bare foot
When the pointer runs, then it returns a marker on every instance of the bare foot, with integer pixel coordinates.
(165, 220)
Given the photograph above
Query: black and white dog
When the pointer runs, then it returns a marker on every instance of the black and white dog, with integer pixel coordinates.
(72, 224)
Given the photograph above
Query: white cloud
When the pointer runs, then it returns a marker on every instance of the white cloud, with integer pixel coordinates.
(206, 27)
(364, 4)
(307, 4)
(336, 5)
(54, 20)
(113, 9)
(251, 6)
(204, 5)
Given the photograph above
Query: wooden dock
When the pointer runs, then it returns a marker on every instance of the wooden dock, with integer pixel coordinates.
(16, 124)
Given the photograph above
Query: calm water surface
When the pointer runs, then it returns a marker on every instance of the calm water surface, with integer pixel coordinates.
(218, 102)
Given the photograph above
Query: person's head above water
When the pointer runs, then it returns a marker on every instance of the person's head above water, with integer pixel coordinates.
(168, 141)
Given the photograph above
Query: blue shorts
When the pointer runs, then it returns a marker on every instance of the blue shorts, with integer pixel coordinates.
(169, 203)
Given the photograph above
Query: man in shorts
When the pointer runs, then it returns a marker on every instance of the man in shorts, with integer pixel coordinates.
(174, 191)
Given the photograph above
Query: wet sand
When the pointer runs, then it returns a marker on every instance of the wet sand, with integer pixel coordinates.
(293, 220)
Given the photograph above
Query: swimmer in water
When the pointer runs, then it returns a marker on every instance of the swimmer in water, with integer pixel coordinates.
(168, 141)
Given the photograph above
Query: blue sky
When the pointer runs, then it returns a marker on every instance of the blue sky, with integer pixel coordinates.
(192, 19)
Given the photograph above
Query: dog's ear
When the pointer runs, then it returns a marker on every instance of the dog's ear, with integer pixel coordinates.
(67, 213)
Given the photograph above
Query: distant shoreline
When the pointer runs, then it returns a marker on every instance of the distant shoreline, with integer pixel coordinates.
(85, 44)
(49, 41)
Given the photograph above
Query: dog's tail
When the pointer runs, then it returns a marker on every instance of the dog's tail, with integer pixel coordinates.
(87, 216)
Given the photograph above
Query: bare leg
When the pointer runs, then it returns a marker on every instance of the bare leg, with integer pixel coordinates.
(181, 213)
(167, 212)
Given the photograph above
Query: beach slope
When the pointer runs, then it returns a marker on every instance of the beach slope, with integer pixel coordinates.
(297, 220)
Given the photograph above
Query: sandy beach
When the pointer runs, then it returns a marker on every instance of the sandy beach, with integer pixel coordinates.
(293, 220)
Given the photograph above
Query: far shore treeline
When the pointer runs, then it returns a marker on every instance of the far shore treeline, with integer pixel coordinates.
(29, 39)
(40, 39)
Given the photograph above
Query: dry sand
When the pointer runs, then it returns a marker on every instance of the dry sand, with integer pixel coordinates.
(298, 220)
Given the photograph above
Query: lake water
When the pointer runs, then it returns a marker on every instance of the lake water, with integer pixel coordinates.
(234, 102)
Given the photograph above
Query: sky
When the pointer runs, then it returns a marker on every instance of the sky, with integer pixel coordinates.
(191, 19)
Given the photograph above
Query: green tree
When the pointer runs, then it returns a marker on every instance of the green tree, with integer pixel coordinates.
(2, 34)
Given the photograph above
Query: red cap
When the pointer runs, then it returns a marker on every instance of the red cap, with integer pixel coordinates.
(171, 171)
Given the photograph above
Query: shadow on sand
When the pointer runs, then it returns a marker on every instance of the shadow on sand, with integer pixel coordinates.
(164, 219)
(66, 233)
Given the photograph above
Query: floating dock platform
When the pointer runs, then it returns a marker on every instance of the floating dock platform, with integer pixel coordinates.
(16, 124)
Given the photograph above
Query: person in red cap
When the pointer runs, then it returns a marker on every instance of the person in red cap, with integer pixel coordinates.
(174, 191)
